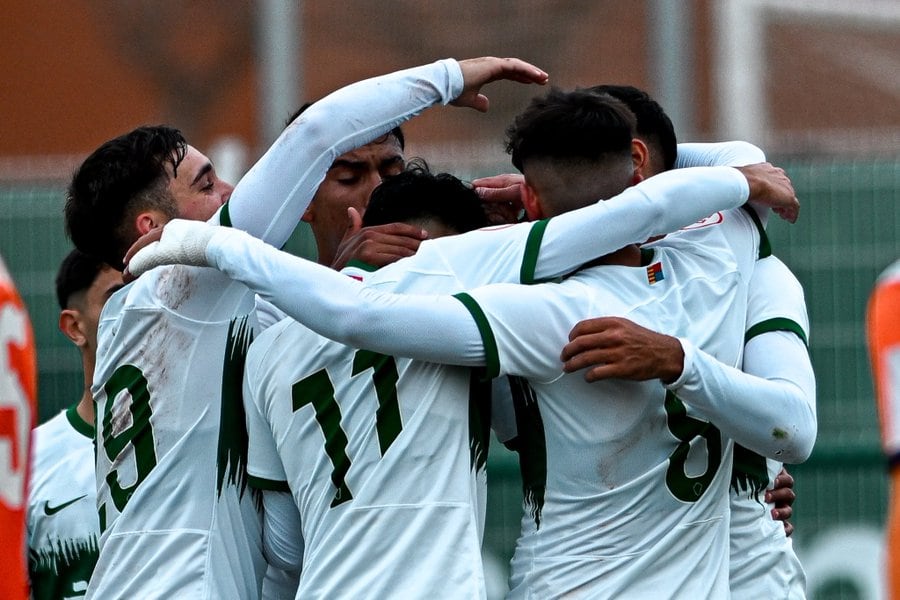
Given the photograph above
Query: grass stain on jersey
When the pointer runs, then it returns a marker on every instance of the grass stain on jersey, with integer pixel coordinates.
(233, 438)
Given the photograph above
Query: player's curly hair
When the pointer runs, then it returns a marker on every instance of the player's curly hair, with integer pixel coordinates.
(121, 178)
(417, 194)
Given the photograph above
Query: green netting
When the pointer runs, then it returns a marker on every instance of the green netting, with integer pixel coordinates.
(846, 235)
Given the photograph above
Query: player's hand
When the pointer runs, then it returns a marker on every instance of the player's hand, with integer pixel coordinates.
(480, 71)
(378, 245)
(613, 347)
(782, 496)
(770, 186)
(501, 197)
(178, 242)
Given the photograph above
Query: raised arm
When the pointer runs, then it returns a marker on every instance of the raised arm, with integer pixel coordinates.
(342, 309)
(271, 197)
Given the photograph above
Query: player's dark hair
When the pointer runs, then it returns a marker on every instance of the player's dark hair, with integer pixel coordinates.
(416, 194)
(121, 178)
(653, 124)
(579, 124)
(77, 273)
(397, 132)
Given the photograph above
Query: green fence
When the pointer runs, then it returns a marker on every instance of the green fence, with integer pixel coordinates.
(846, 235)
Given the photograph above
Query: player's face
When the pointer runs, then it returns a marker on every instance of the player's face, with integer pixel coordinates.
(349, 183)
(108, 280)
(197, 190)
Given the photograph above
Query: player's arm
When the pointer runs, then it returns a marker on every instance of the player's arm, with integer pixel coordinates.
(282, 533)
(341, 308)
(768, 408)
(654, 207)
(764, 415)
(269, 199)
(728, 154)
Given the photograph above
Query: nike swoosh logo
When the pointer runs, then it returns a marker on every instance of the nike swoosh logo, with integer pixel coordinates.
(52, 510)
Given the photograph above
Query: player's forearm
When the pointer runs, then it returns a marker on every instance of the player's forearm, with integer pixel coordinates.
(431, 328)
(656, 206)
(769, 409)
(725, 154)
(270, 198)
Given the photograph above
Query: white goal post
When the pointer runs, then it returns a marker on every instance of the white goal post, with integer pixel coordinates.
(741, 106)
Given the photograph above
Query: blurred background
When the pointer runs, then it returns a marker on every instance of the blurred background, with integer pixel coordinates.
(814, 83)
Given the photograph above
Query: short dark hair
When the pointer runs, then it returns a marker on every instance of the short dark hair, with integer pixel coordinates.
(578, 124)
(397, 132)
(118, 180)
(653, 124)
(417, 194)
(575, 148)
(77, 273)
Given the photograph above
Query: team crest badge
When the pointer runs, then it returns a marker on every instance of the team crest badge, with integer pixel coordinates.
(655, 273)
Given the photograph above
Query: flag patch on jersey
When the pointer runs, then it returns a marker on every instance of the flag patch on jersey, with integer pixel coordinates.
(655, 273)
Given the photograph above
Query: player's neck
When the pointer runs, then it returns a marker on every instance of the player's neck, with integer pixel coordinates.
(629, 256)
(85, 407)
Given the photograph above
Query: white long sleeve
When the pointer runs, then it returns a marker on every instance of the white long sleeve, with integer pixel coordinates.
(729, 154)
(270, 199)
(432, 328)
(656, 206)
(768, 408)
(342, 309)
(725, 154)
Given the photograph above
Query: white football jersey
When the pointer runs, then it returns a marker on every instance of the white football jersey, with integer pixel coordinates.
(626, 491)
(384, 457)
(176, 515)
(763, 562)
(62, 508)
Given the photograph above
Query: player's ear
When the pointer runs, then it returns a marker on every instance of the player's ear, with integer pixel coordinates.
(71, 326)
(531, 202)
(640, 159)
(309, 215)
(149, 220)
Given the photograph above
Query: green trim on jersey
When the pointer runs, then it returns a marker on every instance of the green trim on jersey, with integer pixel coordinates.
(479, 419)
(776, 324)
(749, 473)
(62, 569)
(225, 216)
(362, 266)
(765, 246)
(532, 249)
(491, 354)
(647, 255)
(231, 455)
(261, 483)
(530, 444)
(78, 424)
